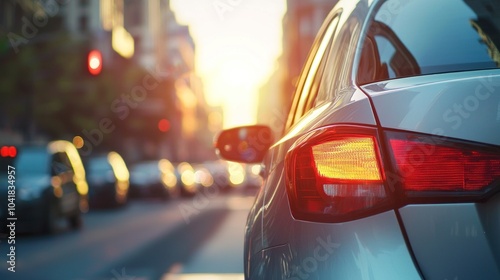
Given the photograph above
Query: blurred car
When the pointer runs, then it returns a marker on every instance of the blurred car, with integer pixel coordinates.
(154, 179)
(108, 180)
(186, 176)
(237, 174)
(203, 176)
(220, 173)
(253, 180)
(50, 187)
(389, 163)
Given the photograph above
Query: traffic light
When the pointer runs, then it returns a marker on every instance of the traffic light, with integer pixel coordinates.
(164, 125)
(94, 62)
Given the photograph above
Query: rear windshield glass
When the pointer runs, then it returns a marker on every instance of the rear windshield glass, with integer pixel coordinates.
(418, 37)
(33, 161)
(98, 165)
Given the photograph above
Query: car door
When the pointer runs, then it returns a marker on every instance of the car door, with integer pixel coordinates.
(258, 226)
(326, 96)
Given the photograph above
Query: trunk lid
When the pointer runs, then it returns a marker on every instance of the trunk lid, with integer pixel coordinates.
(450, 240)
(463, 105)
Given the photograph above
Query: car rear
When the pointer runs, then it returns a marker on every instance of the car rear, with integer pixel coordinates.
(145, 180)
(434, 86)
(31, 181)
(399, 177)
(444, 175)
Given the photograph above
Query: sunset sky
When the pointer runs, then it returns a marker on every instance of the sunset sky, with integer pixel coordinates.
(237, 43)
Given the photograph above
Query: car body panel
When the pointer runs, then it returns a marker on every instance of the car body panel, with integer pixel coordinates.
(455, 241)
(369, 248)
(450, 241)
(399, 243)
(154, 179)
(463, 105)
(271, 225)
(219, 172)
(48, 176)
(360, 249)
(108, 180)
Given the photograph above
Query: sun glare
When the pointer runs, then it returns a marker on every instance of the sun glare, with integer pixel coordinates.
(236, 74)
(236, 50)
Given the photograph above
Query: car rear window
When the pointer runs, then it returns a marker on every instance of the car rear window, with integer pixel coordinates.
(32, 161)
(411, 38)
(98, 165)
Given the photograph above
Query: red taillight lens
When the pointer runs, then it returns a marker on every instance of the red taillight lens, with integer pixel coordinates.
(8, 151)
(334, 175)
(442, 167)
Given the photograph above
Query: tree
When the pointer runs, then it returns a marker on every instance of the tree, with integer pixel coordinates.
(45, 85)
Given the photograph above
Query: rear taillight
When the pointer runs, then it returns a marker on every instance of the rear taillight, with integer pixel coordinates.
(8, 151)
(335, 174)
(445, 167)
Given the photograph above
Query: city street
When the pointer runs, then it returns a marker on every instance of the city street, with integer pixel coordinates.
(147, 240)
(249, 140)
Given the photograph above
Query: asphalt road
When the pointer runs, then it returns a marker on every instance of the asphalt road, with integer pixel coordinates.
(186, 239)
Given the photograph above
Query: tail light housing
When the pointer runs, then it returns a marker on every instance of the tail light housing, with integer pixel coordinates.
(446, 169)
(340, 173)
(335, 174)
(8, 151)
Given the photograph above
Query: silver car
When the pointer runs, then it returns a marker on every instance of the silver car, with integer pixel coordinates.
(389, 163)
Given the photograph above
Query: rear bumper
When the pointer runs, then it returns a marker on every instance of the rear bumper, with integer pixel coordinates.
(29, 216)
(455, 241)
(104, 194)
(153, 190)
(369, 248)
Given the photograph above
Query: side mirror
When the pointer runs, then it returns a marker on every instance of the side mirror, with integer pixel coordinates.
(247, 144)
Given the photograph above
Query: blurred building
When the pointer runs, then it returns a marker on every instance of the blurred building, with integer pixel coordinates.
(137, 39)
(195, 134)
(167, 47)
(82, 17)
(145, 22)
(272, 110)
(102, 24)
(301, 24)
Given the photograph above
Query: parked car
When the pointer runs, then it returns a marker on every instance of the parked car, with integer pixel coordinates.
(108, 179)
(203, 176)
(49, 187)
(154, 179)
(389, 164)
(253, 180)
(186, 176)
(220, 174)
(237, 174)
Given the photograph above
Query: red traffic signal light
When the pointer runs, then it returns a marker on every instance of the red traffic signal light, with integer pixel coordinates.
(8, 151)
(94, 62)
(164, 125)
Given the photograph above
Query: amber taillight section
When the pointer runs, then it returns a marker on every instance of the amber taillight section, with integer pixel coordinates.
(334, 175)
